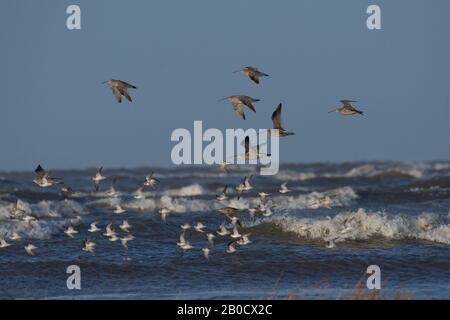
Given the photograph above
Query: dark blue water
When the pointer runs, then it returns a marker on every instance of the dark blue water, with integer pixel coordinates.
(393, 215)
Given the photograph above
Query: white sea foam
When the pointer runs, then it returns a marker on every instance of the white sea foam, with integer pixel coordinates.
(51, 217)
(362, 225)
(361, 171)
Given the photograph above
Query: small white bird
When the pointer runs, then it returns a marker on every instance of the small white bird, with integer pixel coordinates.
(185, 226)
(44, 179)
(150, 181)
(164, 212)
(113, 238)
(244, 240)
(284, 189)
(3, 243)
(230, 247)
(97, 178)
(187, 246)
(93, 227)
(125, 226)
(206, 252)
(88, 246)
(118, 209)
(223, 195)
(15, 236)
(210, 238)
(235, 234)
(199, 227)
(139, 194)
(109, 231)
(243, 186)
(223, 231)
(182, 240)
(70, 232)
(29, 249)
(126, 239)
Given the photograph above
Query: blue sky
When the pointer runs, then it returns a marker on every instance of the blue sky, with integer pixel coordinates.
(181, 55)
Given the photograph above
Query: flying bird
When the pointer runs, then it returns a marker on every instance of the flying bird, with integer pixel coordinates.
(125, 226)
(283, 188)
(150, 181)
(70, 232)
(347, 109)
(206, 252)
(223, 195)
(230, 247)
(29, 249)
(44, 179)
(239, 101)
(119, 89)
(252, 152)
(88, 246)
(253, 73)
(3, 243)
(97, 178)
(277, 126)
(230, 212)
(93, 227)
(243, 186)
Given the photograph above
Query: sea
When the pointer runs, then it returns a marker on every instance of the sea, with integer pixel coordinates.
(321, 240)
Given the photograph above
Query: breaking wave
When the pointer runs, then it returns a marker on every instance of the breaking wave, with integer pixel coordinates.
(362, 225)
(49, 218)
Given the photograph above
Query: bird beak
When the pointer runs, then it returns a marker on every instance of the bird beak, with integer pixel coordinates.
(334, 110)
(222, 99)
(237, 71)
(104, 82)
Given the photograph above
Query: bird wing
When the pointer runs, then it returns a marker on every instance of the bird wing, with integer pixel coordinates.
(254, 78)
(40, 171)
(248, 102)
(117, 94)
(276, 118)
(347, 103)
(238, 108)
(126, 85)
(124, 92)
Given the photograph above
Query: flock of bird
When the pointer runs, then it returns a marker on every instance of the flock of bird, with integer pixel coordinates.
(233, 233)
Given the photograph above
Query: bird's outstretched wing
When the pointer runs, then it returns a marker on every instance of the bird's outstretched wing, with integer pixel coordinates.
(238, 108)
(276, 118)
(117, 94)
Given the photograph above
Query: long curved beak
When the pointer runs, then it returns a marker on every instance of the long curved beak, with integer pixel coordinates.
(104, 82)
(222, 99)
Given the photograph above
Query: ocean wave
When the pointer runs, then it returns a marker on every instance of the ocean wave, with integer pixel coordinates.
(361, 171)
(371, 170)
(49, 218)
(362, 225)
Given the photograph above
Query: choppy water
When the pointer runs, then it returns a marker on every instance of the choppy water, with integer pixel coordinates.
(394, 215)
